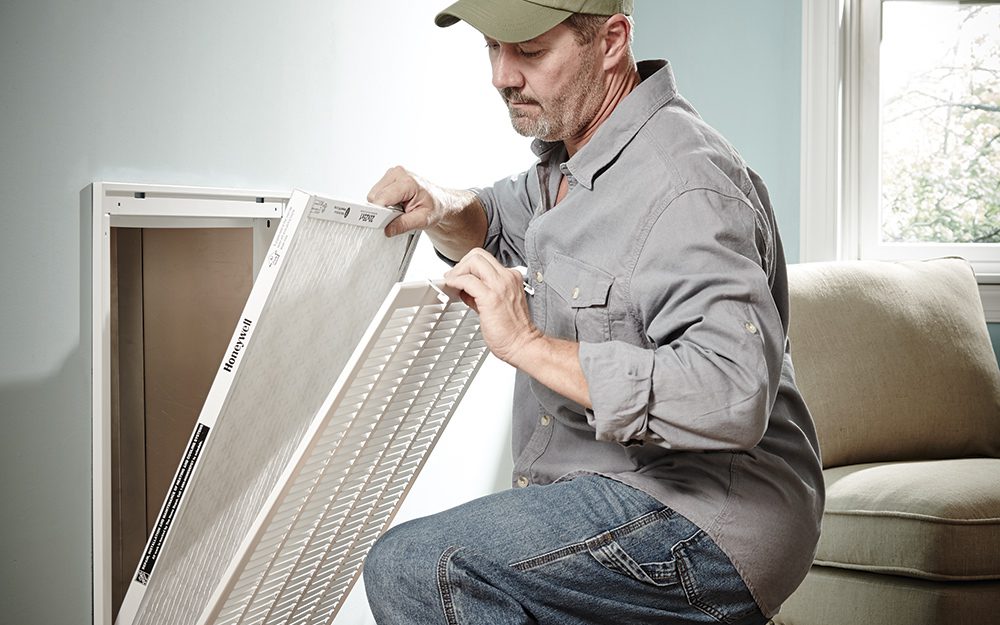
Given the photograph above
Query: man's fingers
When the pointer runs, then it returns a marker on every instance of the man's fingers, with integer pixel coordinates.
(399, 187)
(482, 265)
(494, 292)
(377, 188)
(391, 176)
(392, 192)
(468, 284)
(469, 300)
(413, 220)
(516, 278)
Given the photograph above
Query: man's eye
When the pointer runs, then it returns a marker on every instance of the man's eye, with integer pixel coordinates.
(530, 54)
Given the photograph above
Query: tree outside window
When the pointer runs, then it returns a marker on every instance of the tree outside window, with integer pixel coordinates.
(940, 122)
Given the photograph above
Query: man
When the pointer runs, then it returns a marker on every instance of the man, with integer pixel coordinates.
(667, 470)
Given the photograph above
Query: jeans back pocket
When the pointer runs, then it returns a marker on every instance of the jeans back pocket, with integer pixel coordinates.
(613, 556)
(711, 582)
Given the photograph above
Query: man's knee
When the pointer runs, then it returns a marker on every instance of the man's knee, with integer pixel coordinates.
(403, 562)
(385, 558)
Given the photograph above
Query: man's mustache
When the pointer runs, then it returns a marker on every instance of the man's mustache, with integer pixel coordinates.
(513, 96)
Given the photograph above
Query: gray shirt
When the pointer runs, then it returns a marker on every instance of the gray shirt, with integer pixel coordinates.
(664, 262)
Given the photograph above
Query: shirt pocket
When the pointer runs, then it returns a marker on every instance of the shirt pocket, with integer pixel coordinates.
(577, 307)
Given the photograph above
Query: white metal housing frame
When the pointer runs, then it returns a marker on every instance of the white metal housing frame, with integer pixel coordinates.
(840, 147)
(147, 206)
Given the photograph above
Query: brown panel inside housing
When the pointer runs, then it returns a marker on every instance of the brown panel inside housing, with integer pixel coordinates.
(176, 296)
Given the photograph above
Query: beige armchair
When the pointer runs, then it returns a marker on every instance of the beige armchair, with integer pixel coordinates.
(896, 365)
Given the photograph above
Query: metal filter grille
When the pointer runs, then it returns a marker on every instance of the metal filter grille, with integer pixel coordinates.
(355, 463)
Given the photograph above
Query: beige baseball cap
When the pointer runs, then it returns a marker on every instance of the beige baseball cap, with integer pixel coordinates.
(513, 21)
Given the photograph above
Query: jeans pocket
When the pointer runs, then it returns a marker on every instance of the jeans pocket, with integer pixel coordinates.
(711, 582)
(613, 556)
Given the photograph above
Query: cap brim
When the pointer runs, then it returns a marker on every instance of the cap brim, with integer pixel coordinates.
(510, 21)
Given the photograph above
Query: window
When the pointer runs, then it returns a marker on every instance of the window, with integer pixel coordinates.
(901, 133)
(939, 109)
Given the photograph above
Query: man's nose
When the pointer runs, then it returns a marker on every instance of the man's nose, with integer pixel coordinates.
(505, 70)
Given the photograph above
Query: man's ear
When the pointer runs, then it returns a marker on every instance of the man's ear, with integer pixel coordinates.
(616, 34)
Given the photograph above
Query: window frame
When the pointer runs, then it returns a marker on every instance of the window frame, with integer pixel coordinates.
(840, 193)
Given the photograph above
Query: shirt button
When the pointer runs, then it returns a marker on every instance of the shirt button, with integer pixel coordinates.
(539, 278)
(750, 327)
(545, 420)
(576, 293)
(522, 481)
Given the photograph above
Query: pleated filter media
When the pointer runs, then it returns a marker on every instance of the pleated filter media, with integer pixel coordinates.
(239, 484)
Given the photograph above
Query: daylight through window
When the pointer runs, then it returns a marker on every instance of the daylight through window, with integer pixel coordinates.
(939, 85)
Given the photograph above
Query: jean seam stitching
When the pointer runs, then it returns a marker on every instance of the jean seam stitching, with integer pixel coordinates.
(694, 597)
(640, 522)
(549, 557)
(632, 568)
(594, 542)
(444, 586)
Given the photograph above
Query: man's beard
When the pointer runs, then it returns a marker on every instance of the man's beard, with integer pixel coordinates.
(539, 126)
(565, 116)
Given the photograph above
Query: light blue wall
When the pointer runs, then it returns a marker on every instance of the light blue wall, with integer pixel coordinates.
(738, 63)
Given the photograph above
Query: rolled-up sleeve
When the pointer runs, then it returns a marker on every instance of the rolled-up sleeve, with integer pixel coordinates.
(709, 376)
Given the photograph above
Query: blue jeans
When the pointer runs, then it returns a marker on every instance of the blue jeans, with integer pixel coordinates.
(584, 551)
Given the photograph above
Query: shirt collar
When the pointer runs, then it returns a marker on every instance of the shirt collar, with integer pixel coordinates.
(656, 89)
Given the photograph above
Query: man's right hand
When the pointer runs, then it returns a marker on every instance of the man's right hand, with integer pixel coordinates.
(453, 218)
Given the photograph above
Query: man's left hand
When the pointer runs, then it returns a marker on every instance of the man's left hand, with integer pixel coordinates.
(497, 294)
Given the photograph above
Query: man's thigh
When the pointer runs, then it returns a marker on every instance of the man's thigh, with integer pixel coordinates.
(582, 551)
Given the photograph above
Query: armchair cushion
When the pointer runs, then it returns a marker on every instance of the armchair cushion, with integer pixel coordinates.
(894, 360)
(837, 597)
(936, 520)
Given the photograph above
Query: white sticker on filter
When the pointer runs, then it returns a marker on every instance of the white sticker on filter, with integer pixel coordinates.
(354, 213)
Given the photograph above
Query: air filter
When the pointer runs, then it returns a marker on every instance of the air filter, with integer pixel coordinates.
(349, 474)
(323, 280)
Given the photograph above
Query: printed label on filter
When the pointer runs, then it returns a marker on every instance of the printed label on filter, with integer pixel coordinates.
(173, 501)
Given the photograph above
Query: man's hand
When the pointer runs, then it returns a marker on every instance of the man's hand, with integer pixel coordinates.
(453, 218)
(497, 294)
(424, 203)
